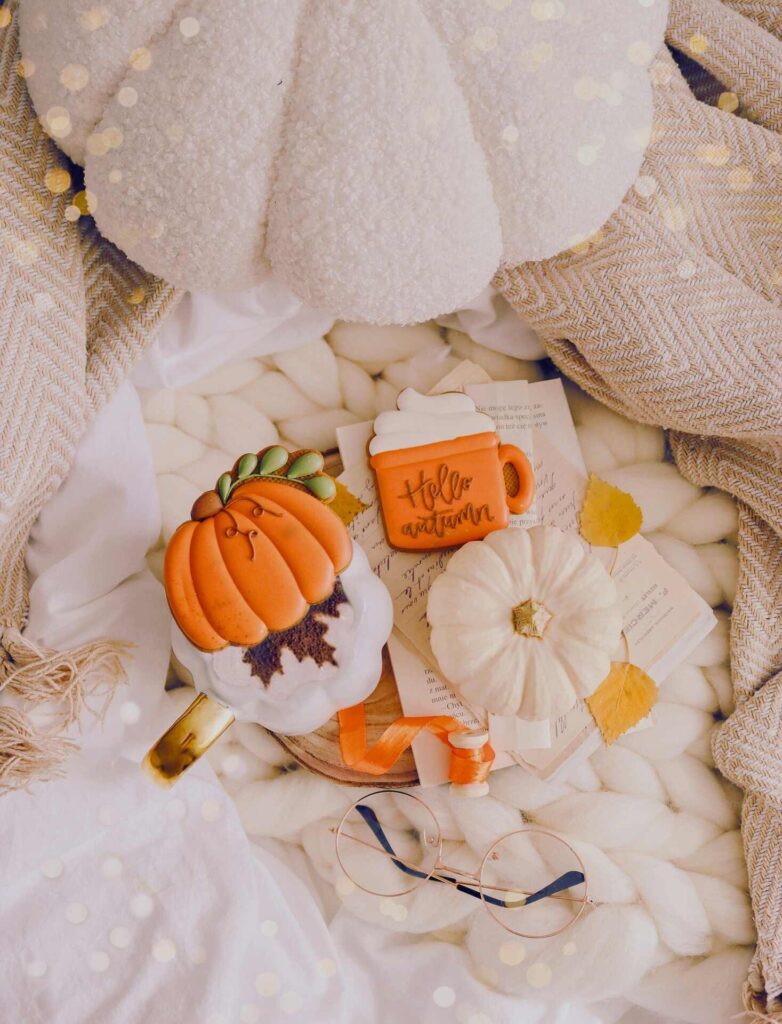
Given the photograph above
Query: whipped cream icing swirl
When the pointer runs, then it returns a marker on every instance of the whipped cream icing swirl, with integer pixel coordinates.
(425, 419)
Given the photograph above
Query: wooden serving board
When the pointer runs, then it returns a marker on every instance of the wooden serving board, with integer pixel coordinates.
(319, 750)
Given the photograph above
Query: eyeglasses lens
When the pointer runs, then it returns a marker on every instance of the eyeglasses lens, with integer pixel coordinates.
(532, 883)
(388, 843)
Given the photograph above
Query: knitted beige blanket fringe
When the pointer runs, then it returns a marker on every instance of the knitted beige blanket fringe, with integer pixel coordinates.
(671, 315)
(75, 315)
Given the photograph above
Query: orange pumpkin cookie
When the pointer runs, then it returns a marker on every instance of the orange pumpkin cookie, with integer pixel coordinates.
(439, 469)
(258, 551)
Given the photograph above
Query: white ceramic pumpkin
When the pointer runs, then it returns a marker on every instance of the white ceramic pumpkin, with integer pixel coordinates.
(524, 622)
(301, 695)
(384, 157)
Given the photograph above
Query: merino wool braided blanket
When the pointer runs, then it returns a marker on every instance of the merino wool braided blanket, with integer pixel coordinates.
(655, 824)
(671, 316)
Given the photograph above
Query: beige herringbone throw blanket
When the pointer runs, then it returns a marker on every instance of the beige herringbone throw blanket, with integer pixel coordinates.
(74, 315)
(671, 315)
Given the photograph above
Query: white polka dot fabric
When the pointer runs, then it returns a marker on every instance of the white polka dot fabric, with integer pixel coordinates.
(384, 158)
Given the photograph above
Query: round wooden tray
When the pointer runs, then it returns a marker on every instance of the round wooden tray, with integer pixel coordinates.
(319, 750)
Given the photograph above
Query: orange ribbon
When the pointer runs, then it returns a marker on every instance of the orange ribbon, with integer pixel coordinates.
(466, 766)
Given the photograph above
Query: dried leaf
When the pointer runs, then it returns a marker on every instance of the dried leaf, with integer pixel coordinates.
(346, 505)
(609, 516)
(626, 695)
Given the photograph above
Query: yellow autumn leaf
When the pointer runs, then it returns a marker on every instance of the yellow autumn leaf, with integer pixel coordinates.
(626, 695)
(346, 505)
(609, 516)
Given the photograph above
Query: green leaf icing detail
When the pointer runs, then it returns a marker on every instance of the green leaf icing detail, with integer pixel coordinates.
(306, 465)
(273, 460)
(224, 487)
(246, 465)
(322, 487)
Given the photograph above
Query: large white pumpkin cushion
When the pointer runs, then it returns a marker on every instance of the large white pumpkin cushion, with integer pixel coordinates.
(384, 157)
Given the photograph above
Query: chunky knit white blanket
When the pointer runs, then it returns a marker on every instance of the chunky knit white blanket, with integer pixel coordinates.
(656, 826)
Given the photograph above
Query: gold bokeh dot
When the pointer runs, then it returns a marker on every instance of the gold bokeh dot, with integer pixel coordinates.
(587, 155)
(74, 77)
(25, 253)
(137, 296)
(115, 175)
(686, 269)
(189, 27)
(712, 153)
(645, 186)
(728, 101)
(344, 886)
(72, 213)
(86, 202)
(113, 136)
(660, 73)
(25, 68)
(97, 144)
(538, 975)
(326, 968)
(639, 52)
(698, 43)
(512, 953)
(485, 38)
(94, 18)
(675, 217)
(58, 122)
(5, 17)
(547, 10)
(127, 96)
(740, 178)
(57, 180)
(140, 59)
(584, 88)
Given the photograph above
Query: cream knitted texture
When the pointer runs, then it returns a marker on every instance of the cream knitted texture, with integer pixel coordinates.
(656, 825)
(74, 315)
(671, 315)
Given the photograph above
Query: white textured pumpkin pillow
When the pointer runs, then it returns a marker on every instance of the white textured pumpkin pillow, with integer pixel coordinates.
(384, 157)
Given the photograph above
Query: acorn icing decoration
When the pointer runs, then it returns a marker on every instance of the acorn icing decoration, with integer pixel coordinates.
(258, 551)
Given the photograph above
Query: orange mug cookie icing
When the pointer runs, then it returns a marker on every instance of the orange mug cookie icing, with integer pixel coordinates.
(439, 468)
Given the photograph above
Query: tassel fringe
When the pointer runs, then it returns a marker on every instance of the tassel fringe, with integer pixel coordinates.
(68, 683)
(756, 1008)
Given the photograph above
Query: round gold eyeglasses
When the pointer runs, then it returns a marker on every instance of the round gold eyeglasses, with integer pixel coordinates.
(531, 881)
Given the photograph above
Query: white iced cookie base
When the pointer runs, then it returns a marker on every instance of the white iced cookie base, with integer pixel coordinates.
(425, 419)
(303, 696)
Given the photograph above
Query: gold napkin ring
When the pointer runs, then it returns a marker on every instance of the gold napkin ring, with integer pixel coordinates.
(196, 729)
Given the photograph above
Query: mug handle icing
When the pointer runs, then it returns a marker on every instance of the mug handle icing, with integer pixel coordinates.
(196, 729)
(522, 499)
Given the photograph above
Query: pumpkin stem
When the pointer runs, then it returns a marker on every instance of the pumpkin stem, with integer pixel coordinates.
(530, 618)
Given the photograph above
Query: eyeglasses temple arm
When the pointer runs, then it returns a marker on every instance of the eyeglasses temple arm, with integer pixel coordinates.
(370, 818)
(566, 881)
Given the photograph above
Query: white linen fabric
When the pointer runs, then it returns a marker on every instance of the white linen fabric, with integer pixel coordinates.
(121, 903)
